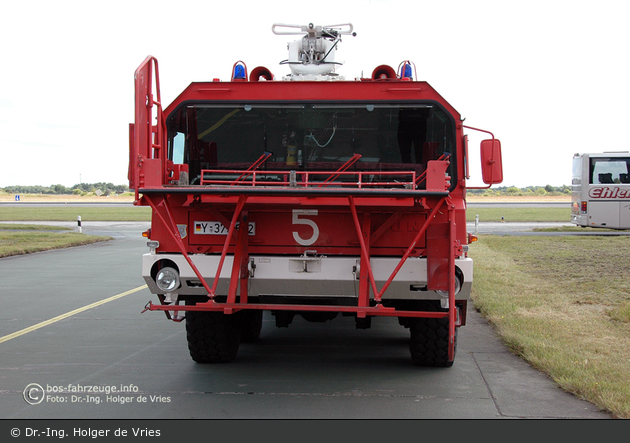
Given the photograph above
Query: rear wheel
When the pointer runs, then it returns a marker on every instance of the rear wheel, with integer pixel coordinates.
(213, 337)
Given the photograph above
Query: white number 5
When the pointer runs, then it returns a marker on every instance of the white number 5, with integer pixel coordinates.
(305, 221)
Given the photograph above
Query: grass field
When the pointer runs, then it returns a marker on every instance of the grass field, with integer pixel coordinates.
(562, 304)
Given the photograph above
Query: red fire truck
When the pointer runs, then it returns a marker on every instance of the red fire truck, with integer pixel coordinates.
(310, 195)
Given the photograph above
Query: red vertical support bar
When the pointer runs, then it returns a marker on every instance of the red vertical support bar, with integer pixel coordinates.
(364, 290)
(451, 280)
(237, 211)
(241, 245)
(365, 256)
(245, 259)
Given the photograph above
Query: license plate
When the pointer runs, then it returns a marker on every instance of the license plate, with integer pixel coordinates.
(217, 228)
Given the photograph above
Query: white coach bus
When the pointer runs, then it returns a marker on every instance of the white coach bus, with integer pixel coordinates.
(601, 190)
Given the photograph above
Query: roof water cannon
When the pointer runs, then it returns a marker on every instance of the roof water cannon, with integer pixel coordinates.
(314, 54)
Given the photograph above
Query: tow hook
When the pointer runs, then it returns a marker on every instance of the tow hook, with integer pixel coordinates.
(146, 307)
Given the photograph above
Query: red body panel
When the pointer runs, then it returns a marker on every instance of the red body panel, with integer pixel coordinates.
(365, 90)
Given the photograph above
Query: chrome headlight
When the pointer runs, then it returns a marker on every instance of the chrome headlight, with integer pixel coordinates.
(458, 287)
(167, 279)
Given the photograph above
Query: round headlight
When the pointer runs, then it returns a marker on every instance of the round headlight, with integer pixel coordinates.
(167, 279)
(458, 287)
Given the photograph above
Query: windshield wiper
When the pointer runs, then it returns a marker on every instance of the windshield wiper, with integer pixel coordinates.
(343, 168)
(263, 158)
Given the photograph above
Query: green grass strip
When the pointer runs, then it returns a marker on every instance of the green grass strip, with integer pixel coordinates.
(26, 242)
(63, 213)
(519, 214)
(25, 227)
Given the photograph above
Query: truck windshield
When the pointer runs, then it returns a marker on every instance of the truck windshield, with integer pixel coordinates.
(309, 136)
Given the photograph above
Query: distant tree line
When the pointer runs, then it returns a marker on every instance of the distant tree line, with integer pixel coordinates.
(530, 190)
(78, 189)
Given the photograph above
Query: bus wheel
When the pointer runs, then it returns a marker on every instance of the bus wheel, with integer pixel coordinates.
(213, 337)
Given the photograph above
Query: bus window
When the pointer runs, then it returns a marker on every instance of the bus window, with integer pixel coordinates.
(577, 169)
(606, 170)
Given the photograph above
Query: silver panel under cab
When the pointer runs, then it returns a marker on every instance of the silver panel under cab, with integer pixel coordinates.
(310, 276)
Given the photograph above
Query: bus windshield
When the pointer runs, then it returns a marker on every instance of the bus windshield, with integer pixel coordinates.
(309, 136)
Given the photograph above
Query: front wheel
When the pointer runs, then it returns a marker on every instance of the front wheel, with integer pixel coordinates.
(213, 337)
(429, 340)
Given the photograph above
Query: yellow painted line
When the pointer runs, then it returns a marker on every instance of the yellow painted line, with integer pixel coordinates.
(68, 314)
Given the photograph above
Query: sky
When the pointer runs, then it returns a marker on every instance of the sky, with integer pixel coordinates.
(547, 78)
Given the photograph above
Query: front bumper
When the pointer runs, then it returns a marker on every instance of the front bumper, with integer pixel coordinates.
(305, 276)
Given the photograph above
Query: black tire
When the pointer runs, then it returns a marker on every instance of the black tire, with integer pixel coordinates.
(251, 325)
(213, 337)
(429, 342)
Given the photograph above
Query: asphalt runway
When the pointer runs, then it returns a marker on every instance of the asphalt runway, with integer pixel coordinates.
(72, 331)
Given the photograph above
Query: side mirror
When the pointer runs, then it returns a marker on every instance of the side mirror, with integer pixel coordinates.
(491, 163)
